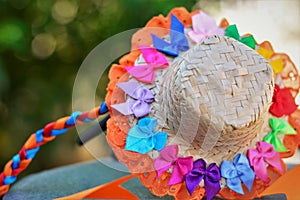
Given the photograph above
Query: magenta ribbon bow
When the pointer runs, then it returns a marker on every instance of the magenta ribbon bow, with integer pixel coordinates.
(146, 73)
(140, 106)
(210, 174)
(264, 153)
(169, 157)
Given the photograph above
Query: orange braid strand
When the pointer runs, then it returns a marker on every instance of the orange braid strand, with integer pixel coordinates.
(20, 161)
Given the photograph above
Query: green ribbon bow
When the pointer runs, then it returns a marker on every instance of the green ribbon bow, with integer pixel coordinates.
(279, 127)
(231, 31)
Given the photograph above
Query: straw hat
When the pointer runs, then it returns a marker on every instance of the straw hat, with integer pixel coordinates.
(190, 109)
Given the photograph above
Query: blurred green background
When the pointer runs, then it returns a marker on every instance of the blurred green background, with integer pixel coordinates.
(42, 44)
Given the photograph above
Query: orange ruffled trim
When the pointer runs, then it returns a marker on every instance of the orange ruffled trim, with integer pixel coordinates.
(142, 165)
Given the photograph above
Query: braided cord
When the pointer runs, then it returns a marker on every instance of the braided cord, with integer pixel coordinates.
(20, 161)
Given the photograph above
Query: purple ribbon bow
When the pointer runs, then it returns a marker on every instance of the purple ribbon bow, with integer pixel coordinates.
(169, 157)
(210, 174)
(264, 152)
(140, 106)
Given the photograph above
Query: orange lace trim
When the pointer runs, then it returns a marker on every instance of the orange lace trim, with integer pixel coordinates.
(142, 165)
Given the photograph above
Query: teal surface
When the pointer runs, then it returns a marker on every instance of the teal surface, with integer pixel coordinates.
(67, 180)
(63, 181)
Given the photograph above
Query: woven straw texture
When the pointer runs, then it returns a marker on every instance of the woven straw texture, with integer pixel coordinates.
(213, 99)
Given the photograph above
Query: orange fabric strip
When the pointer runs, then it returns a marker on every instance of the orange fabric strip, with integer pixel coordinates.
(31, 142)
(24, 163)
(112, 190)
(93, 113)
(7, 169)
(60, 123)
(287, 184)
(4, 189)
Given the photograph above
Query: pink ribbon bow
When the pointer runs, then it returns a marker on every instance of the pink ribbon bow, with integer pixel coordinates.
(264, 152)
(154, 60)
(169, 157)
(204, 26)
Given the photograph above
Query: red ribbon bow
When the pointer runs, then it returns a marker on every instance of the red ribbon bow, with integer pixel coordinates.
(283, 102)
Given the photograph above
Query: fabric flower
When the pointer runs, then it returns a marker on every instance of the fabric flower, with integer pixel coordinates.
(169, 158)
(283, 102)
(142, 138)
(264, 153)
(210, 174)
(204, 26)
(237, 172)
(279, 127)
(140, 106)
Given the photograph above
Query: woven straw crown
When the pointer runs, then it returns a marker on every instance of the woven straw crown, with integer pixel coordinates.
(213, 99)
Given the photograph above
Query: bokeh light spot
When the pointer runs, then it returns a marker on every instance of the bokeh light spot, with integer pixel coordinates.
(64, 11)
(43, 45)
(10, 33)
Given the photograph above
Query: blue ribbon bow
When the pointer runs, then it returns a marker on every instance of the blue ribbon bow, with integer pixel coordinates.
(237, 172)
(178, 40)
(142, 138)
